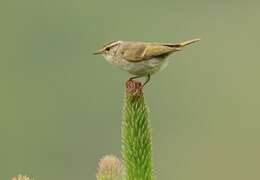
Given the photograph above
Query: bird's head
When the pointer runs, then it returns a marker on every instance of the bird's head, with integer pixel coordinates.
(109, 49)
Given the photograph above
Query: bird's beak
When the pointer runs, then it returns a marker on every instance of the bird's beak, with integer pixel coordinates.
(98, 52)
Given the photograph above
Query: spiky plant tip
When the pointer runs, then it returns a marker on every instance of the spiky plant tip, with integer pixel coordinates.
(109, 168)
(21, 177)
(133, 89)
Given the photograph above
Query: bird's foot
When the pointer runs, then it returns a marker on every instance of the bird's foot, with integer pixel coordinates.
(148, 77)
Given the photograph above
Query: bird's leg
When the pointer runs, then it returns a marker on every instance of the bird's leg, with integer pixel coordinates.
(148, 77)
(134, 77)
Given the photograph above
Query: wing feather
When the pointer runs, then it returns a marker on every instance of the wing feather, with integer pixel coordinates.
(141, 52)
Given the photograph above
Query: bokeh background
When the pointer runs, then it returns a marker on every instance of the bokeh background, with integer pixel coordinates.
(60, 106)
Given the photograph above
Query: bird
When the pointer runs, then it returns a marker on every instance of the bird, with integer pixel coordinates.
(140, 59)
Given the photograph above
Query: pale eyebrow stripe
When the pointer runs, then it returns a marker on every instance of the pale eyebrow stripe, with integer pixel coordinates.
(111, 42)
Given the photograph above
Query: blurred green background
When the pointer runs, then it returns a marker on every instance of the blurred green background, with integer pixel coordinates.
(60, 107)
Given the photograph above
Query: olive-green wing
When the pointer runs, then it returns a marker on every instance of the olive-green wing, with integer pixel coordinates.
(141, 51)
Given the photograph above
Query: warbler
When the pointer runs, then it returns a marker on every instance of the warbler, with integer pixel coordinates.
(141, 59)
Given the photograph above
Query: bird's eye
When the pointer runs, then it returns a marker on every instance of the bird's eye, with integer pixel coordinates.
(108, 48)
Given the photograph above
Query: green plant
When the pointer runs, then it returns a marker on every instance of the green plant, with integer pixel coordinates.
(136, 135)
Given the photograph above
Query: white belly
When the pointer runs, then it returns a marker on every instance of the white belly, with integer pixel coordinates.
(145, 67)
(140, 68)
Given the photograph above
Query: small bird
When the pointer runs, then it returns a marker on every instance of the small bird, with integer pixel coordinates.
(141, 59)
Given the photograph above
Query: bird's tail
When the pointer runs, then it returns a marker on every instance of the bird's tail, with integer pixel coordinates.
(185, 43)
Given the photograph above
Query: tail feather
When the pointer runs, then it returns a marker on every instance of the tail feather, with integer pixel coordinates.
(185, 43)
(182, 44)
